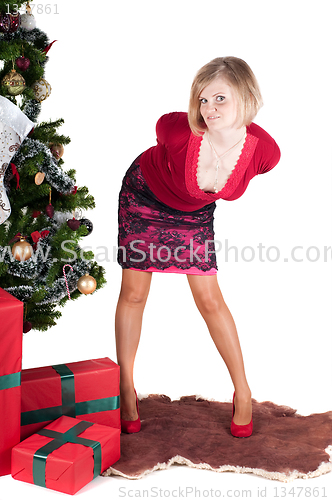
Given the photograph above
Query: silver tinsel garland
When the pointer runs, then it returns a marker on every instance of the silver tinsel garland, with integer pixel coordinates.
(22, 292)
(54, 174)
(58, 290)
(35, 267)
(31, 36)
(31, 109)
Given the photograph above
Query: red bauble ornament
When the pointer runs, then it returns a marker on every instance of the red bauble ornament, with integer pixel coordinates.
(35, 214)
(27, 326)
(73, 223)
(49, 210)
(9, 22)
(22, 63)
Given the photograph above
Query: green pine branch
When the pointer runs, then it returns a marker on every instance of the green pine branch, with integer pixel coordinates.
(10, 5)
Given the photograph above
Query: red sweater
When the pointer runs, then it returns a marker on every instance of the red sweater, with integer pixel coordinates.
(170, 167)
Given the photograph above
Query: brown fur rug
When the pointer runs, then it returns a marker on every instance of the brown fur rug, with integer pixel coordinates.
(196, 432)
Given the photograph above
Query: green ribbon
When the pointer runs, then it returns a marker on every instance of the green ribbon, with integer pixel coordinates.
(10, 381)
(69, 407)
(97, 405)
(59, 439)
(83, 408)
(67, 389)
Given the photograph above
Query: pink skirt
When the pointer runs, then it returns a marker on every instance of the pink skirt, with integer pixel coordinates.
(155, 237)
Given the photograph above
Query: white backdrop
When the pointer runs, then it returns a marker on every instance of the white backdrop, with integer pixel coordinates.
(115, 68)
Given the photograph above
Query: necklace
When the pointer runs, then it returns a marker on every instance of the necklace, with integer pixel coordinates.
(219, 157)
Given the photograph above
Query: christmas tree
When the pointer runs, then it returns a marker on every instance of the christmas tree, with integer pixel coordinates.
(39, 201)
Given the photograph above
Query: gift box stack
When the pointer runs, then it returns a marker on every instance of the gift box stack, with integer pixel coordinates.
(66, 416)
(11, 321)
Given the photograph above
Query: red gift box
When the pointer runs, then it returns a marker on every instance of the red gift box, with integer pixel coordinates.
(88, 390)
(11, 332)
(66, 455)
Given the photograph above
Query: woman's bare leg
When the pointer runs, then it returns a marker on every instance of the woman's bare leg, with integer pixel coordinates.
(210, 303)
(128, 323)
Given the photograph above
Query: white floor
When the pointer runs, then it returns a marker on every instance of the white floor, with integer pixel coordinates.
(179, 482)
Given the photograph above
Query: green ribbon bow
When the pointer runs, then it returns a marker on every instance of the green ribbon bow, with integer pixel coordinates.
(59, 439)
(69, 407)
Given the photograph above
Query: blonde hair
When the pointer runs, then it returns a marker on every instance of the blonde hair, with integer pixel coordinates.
(239, 76)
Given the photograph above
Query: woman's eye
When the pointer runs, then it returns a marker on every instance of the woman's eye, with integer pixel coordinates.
(203, 100)
(220, 98)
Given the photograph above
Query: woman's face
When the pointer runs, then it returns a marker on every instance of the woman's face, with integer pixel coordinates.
(219, 106)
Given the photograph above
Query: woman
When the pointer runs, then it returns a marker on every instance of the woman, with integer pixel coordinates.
(166, 207)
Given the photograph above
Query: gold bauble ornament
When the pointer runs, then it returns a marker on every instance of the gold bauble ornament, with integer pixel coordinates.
(86, 284)
(22, 250)
(57, 150)
(14, 82)
(39, 178)
(42, 90)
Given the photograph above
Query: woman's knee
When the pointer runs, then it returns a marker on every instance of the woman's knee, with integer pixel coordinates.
(133, 296)
(209, 304)
(207, 294)
(135, 288)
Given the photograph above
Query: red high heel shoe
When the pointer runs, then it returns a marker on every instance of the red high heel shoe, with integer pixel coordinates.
(131, 426)
(240, 430)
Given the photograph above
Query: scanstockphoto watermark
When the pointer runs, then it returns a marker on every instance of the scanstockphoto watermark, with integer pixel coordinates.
(183, 492)
(195, 492)
(195, 253)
